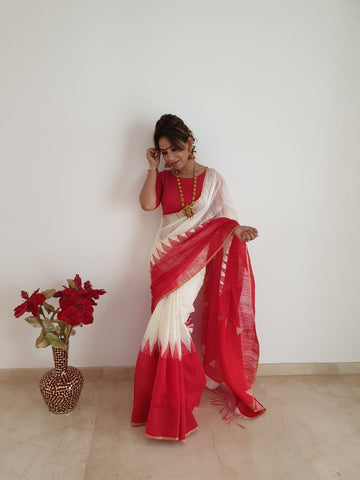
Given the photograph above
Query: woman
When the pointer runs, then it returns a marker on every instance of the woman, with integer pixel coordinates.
(199, 242)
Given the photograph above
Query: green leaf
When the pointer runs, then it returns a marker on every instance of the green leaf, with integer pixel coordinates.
(49, 308)
(33, 321)
(41, 341)
(55, 341)
(72, 284)
(61, 323)
(49, 293)
(48, 324)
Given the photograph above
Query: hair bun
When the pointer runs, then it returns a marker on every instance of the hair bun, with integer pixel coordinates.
(173, 128)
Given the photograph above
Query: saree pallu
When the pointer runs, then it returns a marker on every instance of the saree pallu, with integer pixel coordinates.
(169, 375)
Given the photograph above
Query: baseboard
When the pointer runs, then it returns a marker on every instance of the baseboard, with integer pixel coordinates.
(265, 369)
(340, 368)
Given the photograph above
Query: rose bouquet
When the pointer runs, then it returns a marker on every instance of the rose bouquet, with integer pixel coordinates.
(76, 307)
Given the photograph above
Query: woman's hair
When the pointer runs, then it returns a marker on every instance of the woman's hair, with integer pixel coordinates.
(173, 128)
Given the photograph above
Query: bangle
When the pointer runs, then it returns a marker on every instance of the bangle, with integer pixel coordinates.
(150, 169)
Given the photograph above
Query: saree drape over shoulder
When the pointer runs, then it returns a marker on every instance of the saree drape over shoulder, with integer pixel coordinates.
(169, 375)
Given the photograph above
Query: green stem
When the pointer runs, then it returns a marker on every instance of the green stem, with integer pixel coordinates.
(53, 314)
(68, 329)
(42, 325)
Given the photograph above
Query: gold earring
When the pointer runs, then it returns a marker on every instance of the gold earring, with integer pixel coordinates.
(191, 155)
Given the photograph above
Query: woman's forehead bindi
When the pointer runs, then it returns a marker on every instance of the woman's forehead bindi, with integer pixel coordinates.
(166, 148)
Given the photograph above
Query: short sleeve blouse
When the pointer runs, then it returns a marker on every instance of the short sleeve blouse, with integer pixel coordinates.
(167, 191)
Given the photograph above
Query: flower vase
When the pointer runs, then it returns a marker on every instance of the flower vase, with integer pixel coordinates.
(61, 386)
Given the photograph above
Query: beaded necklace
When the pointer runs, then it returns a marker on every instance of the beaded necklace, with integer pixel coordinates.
(187, 209)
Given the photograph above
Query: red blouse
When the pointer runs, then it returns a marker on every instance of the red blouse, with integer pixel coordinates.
(167, 191)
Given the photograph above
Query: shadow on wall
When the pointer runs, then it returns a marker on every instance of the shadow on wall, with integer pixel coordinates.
(129, 310)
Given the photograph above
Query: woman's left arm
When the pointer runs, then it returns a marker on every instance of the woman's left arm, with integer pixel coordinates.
(246, 233)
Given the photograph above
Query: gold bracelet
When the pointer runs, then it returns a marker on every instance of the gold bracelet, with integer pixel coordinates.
(150, 169)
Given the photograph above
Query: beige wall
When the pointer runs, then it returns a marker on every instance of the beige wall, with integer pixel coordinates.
(270, 89)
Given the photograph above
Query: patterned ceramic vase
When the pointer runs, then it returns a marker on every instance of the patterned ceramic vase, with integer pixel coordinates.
(61, 386)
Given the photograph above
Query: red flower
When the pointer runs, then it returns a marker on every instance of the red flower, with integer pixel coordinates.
(31, 303)
(87, 291)
(78, 281)
(75, 309)
(76, 302)
(91, 293)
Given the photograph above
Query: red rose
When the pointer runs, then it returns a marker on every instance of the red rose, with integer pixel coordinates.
(87, 291)
(92, 294)
(78, 281)
(65, 292)
(75, 309)
(31, 303)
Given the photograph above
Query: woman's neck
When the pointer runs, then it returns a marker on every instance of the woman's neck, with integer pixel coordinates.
(188, 170)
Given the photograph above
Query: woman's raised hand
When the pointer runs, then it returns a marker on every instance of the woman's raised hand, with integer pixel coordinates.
(153, 157)
(245, 233)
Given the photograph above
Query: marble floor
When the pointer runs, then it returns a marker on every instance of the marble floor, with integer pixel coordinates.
(311, 431)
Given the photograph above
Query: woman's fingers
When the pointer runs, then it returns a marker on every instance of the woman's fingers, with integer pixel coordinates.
(249, 233)
(153, 156)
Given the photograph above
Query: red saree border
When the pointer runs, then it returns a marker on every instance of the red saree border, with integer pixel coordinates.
(187, 255)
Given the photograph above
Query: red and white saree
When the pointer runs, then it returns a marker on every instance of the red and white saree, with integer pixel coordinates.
(169, 375)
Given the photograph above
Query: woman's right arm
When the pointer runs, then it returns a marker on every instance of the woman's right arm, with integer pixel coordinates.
(147, 197)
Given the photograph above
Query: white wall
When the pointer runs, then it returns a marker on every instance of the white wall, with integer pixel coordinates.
(271, 90)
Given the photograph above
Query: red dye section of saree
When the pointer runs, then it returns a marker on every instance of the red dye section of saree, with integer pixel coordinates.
(231, 348)
(167, 390)
(169, 379)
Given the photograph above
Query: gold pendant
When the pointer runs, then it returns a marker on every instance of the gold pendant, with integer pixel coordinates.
(189, 211)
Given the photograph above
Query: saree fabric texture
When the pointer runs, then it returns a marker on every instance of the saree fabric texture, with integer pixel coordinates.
(189, 253)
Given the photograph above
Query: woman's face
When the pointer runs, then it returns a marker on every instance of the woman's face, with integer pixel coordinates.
(174, 157)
